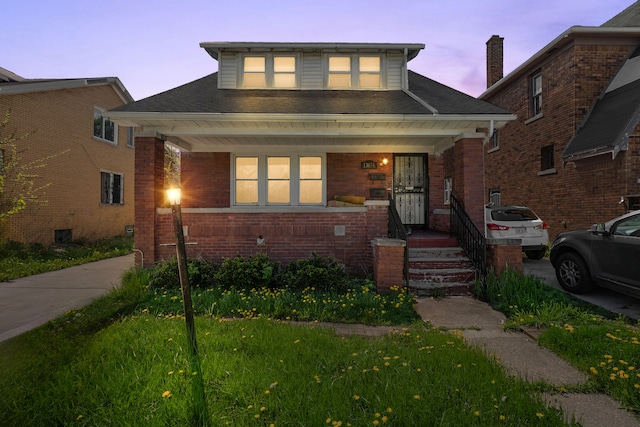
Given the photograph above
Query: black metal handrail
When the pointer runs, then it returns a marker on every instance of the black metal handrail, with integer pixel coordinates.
(470, 238)
(397, 231)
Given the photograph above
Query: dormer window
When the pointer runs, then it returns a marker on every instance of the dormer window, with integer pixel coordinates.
(354, 72)
(270, 71)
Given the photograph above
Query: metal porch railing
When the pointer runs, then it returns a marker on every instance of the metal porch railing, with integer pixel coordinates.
(470, 238)
(397, 231)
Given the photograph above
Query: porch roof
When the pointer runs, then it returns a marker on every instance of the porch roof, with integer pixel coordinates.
(200, 117)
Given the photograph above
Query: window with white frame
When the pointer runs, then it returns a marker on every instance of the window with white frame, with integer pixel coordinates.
(354, 71)
(536, 94)
(130, 137)
(448, 187)
(279, 180)
(111, 188)
(495, 142)
(494, 197)
(269, 71)
(104, 128)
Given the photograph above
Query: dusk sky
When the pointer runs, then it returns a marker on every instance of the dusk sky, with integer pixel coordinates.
(153, 45)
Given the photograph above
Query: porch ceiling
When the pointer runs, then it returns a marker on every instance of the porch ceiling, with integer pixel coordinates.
(334, 133)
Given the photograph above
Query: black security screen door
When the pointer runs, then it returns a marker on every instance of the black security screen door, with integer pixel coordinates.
(410, 183)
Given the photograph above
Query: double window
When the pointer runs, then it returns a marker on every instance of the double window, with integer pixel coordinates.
(104, 128)
(111, 188)
(354, 71)
(270, 71)
(291, 180)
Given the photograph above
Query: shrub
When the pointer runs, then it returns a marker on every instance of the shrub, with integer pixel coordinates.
(201, 274)
(248, 273)
(323, 274)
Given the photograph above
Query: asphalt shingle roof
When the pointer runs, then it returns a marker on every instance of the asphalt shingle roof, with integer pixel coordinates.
(630, 17)
(203, 96)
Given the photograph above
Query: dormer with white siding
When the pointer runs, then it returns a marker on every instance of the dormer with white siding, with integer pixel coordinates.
(312, 66)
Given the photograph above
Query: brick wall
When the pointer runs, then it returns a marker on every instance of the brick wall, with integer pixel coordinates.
(60, 128)
(348, 179)
(567, 198)
(503, 253)
(388, 263)
(287, 236)
(205, 179)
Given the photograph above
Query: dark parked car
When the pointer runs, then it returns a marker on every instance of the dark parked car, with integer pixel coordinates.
(607, 255)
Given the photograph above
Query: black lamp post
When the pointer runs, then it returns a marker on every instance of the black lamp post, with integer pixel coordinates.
(200, 405)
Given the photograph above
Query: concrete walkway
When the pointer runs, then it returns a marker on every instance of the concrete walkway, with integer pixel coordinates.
(521, 355)
(32, 301)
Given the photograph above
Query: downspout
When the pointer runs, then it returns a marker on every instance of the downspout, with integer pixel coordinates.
(405, 85)
(484, 170)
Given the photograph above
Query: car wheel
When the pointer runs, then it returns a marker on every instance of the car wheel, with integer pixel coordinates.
(539, 254)
(572, 274)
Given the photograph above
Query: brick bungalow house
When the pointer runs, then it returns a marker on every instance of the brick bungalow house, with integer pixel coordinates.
(573, 154)
(294, 148)
(88, 160)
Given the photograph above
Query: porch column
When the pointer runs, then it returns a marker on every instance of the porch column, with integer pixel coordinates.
(503, 253)
(388, 263)
(468, 181)
(149, 194)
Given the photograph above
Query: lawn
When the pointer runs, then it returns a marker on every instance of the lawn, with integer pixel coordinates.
(123, 361)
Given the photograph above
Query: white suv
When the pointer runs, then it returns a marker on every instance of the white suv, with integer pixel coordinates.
(518, 222)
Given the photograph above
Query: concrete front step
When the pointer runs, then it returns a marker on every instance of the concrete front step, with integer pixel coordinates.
(439, 289)
(440, 270)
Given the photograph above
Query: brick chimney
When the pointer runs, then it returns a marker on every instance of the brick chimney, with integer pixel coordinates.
(494, 59)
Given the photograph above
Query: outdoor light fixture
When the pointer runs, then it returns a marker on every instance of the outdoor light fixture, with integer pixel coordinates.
(173, 194)
(199, 401)
(385, 161)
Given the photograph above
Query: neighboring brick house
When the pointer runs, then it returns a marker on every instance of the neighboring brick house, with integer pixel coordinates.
(573, 154)
(282, 140)
(89, 161)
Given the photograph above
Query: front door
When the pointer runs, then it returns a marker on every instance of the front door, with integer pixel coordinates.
(410, 189)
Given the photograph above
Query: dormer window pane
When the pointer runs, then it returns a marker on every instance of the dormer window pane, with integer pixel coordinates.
(339, 71)
(369, 71)
(284, 71)
(284, 64)
(254, 72)
(339, 64)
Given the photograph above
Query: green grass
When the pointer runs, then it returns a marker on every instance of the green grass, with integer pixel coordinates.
(604, 347)
(20, 260)
(123, 361)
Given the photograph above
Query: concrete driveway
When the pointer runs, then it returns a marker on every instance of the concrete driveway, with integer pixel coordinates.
(609, 300)
(32, 301)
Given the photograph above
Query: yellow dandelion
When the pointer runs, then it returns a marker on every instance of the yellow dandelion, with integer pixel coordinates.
(356, 397)
(262, 409)
(416, 396)
(166, 394)
(79, 417)
(170, 373)
(389, 410)
(328, 420)
(376, 422)
(539, 414)
(384, 419)
(502, 418)
(476, 413)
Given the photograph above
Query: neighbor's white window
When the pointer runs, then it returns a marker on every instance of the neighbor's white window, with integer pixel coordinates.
(269, 71)
(291, 180)
(448, 185)
(104, 128)
(111, 188)
(536, 94)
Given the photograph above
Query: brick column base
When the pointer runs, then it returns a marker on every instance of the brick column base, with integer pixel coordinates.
(503, 253)
(388, 263)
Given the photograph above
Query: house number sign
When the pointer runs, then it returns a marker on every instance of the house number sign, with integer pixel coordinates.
(368, 164)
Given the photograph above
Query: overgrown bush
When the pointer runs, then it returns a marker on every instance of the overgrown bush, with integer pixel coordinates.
(257, 272)
(201, 274)
(323, 274)
(247, 273)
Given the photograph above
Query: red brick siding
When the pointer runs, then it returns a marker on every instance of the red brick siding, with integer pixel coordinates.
(149, 188)
(501, 256)
(570, 198)
(288, 236)
(204, 178)
(388, 266)
(346, 178)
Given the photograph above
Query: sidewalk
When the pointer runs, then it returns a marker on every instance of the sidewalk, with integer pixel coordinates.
(521, 355)
(32, 301)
